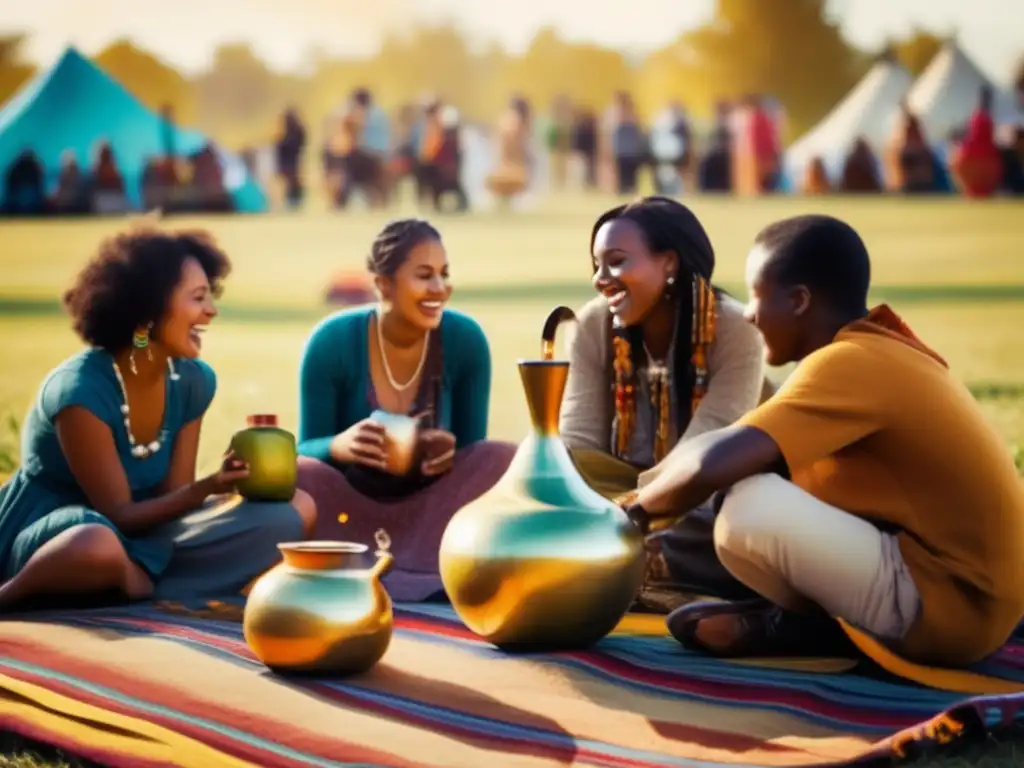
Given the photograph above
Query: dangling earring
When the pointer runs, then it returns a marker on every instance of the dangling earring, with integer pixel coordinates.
(140, 340)
(670, 284)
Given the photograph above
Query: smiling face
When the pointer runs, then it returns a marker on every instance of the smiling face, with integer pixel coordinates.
(629, 276)
(420, 287)
(190, 309)
(775, 310)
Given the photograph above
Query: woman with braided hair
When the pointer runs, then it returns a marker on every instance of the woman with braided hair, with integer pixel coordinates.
(658, 358)
(410, 355)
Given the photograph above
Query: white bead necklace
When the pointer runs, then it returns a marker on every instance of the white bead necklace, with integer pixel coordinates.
(141, 451)
(387, 368)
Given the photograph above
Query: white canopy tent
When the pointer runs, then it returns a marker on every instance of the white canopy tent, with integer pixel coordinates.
(866, 113)
(946, 93)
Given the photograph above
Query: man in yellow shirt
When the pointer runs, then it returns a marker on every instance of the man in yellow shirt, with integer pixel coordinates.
(869, 488)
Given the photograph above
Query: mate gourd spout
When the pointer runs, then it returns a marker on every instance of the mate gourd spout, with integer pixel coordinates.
(544, 380)
(384, 557)
(557, 316)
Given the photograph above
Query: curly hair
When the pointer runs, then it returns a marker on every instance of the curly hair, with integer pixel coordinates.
(130, 280)
(395, 242)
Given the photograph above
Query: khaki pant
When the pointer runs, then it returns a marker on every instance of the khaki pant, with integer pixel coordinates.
(794, 550)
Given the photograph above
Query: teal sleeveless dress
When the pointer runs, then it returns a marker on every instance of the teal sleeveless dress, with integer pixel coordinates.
(212, 552)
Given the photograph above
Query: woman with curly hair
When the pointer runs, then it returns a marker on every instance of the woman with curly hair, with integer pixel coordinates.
(106, 503)
(410, 355)
(660, 357)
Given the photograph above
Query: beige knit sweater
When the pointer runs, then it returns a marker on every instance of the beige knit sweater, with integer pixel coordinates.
(736, 382)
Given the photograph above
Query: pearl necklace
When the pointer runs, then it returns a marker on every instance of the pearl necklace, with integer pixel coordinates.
(387, 368)
(141, 451)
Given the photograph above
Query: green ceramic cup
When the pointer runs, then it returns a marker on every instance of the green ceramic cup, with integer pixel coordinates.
(271, 455)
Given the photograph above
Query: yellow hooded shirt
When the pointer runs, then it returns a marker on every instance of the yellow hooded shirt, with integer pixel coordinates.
(875, 424)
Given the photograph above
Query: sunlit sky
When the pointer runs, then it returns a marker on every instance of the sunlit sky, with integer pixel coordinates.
(285, 31)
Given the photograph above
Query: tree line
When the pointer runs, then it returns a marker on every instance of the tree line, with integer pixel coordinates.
(792, 49)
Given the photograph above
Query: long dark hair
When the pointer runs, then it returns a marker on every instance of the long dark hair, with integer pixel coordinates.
(670, 227)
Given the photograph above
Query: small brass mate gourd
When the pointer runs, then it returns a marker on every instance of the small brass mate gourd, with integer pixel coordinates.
(542, 561)
(323, 609)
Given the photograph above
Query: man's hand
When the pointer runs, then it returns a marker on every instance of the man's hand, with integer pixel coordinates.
(711, 462)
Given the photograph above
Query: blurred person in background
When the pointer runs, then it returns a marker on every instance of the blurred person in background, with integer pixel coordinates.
(290, 146)
(910, 163)
(515, 153)
(671, 148)
(716, 174)
(558, 139)
(629, 145)
(72, 194)
(448, 180)
(109, 194)
(860, 170)
(373, 145)
(430, 139)
(976, 162)
(24, 191)
(584, 145)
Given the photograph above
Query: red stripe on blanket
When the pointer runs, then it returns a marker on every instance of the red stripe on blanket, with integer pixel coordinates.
(212, 739)
(664, 680)
(733, 742)
(283, 732)
(748, 693)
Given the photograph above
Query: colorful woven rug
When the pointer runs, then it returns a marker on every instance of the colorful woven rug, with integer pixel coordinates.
(144, 686)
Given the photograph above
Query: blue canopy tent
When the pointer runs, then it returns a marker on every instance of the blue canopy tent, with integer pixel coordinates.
(75, 105)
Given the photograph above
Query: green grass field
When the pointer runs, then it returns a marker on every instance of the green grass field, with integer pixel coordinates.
(953, 268)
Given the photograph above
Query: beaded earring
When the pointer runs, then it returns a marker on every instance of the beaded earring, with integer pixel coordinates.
(140, 340)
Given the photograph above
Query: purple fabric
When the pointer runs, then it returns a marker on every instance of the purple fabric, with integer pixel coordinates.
(415, 523)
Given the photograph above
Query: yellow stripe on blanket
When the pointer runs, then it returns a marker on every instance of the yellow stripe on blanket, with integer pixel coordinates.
(653, 625)
(86, 724)
(957, 680)
(642, 625)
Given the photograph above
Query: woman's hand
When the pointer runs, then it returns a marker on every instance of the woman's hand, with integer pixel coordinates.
(362, 443)
(224, 480)
(438, 451)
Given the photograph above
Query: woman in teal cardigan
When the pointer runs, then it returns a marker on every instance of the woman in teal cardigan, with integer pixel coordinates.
(410, 355)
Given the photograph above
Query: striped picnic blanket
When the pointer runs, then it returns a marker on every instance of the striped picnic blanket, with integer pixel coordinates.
(145, 686)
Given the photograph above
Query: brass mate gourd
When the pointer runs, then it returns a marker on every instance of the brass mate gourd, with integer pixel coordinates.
(323, 609)
(542, 560)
